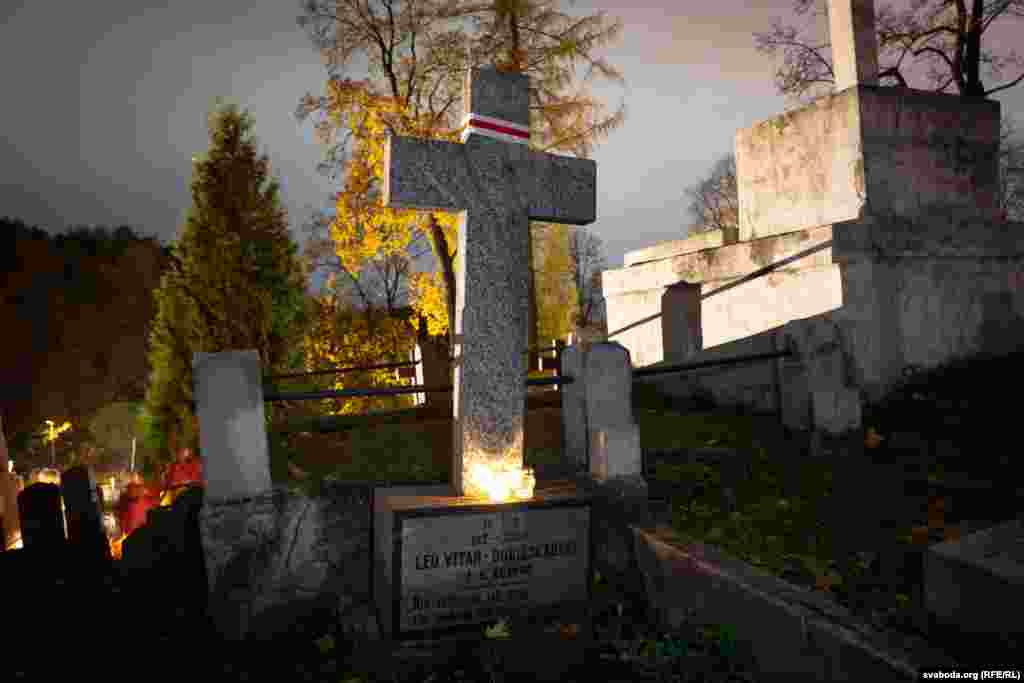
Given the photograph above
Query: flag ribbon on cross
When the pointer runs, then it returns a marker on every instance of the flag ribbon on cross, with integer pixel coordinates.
(498, 129)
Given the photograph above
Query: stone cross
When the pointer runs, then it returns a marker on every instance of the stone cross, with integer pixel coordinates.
(498, 184)
(854, 43)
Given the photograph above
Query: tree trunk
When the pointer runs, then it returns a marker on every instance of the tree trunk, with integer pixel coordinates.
(972, 67)
(441, 248)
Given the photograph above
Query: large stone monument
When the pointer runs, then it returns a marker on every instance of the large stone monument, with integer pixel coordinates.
(872, 213)
(498, 184)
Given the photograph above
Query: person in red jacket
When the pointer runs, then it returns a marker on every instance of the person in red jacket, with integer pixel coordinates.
(186, 470)
(133, 505)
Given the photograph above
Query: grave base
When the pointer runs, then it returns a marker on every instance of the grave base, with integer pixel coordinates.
(447, 566)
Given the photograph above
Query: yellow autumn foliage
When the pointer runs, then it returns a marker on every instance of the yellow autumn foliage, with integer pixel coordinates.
(557, 303)
(341, 336)
(363, 227)
(429, 301)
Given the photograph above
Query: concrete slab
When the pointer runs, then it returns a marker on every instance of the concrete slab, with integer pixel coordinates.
(973, 582)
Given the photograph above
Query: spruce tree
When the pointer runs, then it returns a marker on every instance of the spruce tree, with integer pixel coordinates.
(236, 280)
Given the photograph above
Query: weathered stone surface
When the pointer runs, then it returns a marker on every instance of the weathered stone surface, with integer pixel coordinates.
(733, 303)
(838, 410)
(854, 43)
(615, 452)
(498, 187)
(283, 553)
(823, 356)
(681, 321)
(796, 634)
(608, 376)
(897, 148)
(574, 407)
(972, 582)
(710, 239)
(232, 434)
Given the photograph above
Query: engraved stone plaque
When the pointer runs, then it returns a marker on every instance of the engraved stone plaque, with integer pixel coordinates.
(463, 566)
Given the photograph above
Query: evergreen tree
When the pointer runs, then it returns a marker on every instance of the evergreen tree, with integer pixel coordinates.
(236, 280)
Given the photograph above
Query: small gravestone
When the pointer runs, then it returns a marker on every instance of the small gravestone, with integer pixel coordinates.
(975, 581)
(600, 430)
(233, 433)
(42, 520)
(84, 511)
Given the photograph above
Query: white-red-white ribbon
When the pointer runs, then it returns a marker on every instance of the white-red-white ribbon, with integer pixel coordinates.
(498, 129)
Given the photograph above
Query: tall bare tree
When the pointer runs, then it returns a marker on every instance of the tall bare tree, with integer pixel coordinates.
(945, 35)
(417, 53)
(714, 199)
(588, 261)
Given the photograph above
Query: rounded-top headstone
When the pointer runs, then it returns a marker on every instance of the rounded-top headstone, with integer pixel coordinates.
(232, 429)
(609, 382)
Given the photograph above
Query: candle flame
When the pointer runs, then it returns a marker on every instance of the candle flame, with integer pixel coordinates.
(500, 482)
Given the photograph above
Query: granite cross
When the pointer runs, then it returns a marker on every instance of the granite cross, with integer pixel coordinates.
(498, 184)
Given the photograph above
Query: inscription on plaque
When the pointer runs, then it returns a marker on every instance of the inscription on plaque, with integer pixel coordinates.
(473, 567)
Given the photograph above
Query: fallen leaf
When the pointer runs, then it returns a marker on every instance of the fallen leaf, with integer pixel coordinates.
(499, 630)
(826, 582)
(326, 644)
(872, 439)
(297, 472)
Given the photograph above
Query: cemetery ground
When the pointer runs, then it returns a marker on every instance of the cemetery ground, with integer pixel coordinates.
(853, 521)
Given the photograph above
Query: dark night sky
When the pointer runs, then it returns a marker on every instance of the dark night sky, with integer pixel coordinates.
(106, 102)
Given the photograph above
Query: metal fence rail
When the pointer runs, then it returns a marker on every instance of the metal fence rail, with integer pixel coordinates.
(684, 367)
(272, 395)
(338, 371)
(382, 366)
(390, 391)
